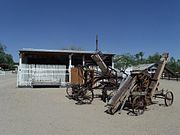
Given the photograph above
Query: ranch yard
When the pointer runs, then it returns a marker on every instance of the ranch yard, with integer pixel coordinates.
(47, 111)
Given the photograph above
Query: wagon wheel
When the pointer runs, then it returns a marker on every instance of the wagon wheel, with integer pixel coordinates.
(72, 90)
(168, 99)
(138, 105)
(85, 96)
(69, 91)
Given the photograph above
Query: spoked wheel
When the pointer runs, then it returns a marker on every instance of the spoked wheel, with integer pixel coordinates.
(69, 91)
(169, 97)
(85, 96)
(72, 91)
(138, 105)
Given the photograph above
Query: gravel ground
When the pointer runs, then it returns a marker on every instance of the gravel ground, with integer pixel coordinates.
(47, 111)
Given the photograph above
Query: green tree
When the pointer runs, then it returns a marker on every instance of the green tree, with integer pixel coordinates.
(154, 58)
(2, 58)
(178, 65)
(2, 48)
(172, 64)
(141, 54)
(178, 62)
(137, 56)
(126, 60)
(6, 60)
(123, 61)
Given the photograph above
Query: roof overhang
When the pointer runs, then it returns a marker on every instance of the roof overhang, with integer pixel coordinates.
(29, 50)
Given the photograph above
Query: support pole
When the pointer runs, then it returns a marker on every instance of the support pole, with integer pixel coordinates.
(112, 63)
(83, 58)
(70, 65)
(20, 60)
(97, 46)
(19, 78)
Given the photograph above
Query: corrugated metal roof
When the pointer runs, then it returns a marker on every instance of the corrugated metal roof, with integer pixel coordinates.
(143, 66)
(60, 51)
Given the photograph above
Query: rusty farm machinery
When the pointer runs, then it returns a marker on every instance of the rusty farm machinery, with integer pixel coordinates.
(135, 91)
(106, 79)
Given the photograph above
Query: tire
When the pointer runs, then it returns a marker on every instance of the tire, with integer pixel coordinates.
(138, 105)
(85, 96)
(72, 90)
(69, 91)
(169, 98)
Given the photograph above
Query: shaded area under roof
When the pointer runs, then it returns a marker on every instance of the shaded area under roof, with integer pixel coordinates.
(62, 57)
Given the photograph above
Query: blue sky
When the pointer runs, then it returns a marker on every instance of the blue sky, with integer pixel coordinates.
(122, 25)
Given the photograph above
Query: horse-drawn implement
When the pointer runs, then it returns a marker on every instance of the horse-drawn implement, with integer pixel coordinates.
(105, 80)
(135, 91)
(139, 89)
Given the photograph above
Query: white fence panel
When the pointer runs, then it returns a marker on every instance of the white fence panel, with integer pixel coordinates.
(2, 72)
(29, 73)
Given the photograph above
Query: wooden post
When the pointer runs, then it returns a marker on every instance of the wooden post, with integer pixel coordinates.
(157, 76)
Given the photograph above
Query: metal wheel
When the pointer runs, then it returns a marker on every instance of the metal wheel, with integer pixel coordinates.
(138, 105)
(72, 90)
(69, 91)
(85, 96)
(169, 97)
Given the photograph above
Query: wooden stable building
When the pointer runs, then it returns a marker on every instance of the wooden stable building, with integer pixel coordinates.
(53, 67)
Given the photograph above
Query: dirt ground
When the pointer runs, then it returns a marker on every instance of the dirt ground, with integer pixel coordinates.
(47, 111)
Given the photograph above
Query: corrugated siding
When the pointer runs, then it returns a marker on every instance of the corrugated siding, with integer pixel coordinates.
(29, 73)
